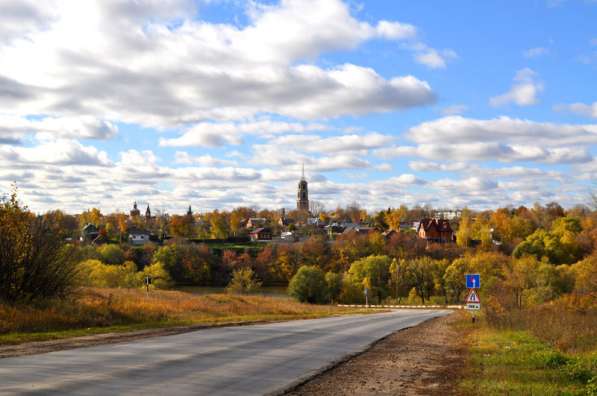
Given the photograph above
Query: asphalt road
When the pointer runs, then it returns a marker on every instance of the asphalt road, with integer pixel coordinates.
(242, 360)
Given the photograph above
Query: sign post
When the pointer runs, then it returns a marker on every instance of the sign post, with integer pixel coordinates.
(366, 296)
(147, 281)
(473, 302)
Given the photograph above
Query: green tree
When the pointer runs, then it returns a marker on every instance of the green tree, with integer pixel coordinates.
(372, 272)
(454, 279)
(111, 254)
(309, 285)
(419, 272)
(334, 284)
(160, 278)
(465, 229)
(243, 281)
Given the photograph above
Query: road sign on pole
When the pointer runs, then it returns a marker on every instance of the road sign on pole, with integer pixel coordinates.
(473, 281)
(473, 297)
(473, 302)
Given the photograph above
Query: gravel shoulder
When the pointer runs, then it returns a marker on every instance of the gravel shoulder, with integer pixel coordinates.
(423, 360)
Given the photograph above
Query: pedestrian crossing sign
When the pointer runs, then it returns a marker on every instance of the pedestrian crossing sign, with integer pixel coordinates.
(473, 297)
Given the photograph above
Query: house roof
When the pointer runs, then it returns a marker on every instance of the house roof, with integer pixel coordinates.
(441, 225)
(137, 231)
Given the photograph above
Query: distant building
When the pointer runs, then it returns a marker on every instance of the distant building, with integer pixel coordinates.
(261, 234)
(89, 233)
(148, 213)
(389, 234)
(302, 199)
(135, 211)
(435, 230)
(138, 236)
(358, 229)
(256, 222)
(448, 214)
(289, 236)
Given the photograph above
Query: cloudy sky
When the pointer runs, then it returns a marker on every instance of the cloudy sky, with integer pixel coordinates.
(217, 103)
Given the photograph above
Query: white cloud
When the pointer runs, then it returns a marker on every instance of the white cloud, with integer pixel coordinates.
(523, 92)
(433, 58)
(503, 139)
(14, 128)
(352, 142)
(454, 109)
(151, 63)
(582, 109)
(535, 52)
(458, 129)
(58, 152)
(395, 30)
(210, 134)
(182, 157)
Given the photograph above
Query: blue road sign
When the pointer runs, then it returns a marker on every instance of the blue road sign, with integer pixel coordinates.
(473, 281)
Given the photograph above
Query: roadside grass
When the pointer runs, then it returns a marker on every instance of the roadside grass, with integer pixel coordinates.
(516, 362)
(96, 311)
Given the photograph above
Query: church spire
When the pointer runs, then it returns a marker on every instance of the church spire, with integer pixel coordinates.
(302, 199)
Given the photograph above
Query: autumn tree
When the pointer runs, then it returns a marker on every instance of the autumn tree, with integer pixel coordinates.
(34, 261)
(372, 272)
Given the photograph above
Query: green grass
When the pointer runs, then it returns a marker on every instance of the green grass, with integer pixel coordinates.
(505, 362)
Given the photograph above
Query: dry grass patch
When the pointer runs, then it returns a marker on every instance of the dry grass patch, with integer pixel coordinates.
(93, 308)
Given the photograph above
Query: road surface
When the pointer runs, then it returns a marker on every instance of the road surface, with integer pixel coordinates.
(241, 360)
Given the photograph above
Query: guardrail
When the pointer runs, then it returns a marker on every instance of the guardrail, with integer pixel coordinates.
(403, 306)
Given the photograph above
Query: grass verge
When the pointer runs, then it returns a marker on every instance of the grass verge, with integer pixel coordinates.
(515, 362)
(96, 311)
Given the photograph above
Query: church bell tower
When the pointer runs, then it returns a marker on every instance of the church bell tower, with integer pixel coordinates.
(302, 199)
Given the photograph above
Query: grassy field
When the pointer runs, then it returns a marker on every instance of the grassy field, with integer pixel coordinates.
(517, 362)
(95, 310)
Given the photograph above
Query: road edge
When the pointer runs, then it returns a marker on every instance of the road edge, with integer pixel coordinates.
(328, 367)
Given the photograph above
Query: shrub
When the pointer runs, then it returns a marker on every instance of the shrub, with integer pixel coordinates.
(334, 284)
(34, 261)
(577, 370)
(160, 278)
(95, 273)
(592, 386)
(243, 281)
(351, 293)
(111, 254)
(309, 285)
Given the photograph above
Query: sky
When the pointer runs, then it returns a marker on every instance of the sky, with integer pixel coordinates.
(218, 103)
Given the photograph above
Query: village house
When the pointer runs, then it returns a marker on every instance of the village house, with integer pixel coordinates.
(261, 234)
(256, 222)
(435, 230)
(138, 236)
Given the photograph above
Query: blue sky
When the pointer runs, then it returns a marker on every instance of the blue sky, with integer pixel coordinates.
(217, 104)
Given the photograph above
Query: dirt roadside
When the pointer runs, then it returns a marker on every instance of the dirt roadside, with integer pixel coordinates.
(422, 360)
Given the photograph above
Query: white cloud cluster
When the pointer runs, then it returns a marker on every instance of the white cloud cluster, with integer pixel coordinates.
(149, 62)
(503, 139)
(582, 109)
(523, 92)
(14, 128)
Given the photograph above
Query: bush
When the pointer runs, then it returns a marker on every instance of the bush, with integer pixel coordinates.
(243, 281)
(334, 284)
(309, 285)
(351, 293)
(160, 279)
(577, 370)
(35, 263)
(111, 254)
(95, 273)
